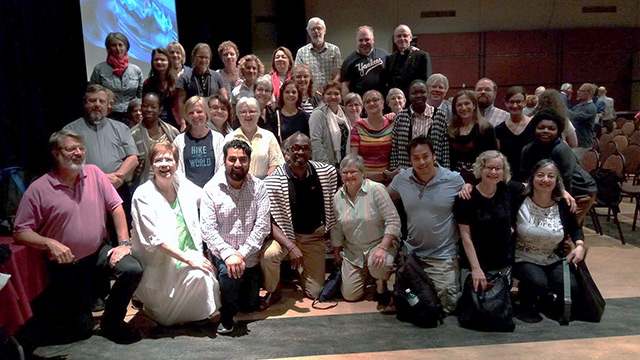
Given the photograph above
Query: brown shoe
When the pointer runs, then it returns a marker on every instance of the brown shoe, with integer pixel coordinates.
(269, 299)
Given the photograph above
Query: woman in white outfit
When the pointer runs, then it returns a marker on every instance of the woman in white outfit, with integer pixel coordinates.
(178, 284)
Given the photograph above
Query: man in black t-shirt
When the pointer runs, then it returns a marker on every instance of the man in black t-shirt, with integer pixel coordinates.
(362, 69)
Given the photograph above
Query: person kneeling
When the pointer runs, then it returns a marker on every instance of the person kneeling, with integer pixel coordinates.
(234, 217)
(178, 284)
(367, 224)
(301, 194)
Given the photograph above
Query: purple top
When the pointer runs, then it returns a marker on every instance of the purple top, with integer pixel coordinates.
(75, 217)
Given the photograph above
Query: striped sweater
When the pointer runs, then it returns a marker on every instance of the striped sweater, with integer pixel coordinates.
(278, 189)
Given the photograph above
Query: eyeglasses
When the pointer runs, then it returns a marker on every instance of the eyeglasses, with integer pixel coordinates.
(71, 149)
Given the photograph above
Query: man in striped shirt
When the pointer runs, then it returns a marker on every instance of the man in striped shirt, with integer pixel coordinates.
(301, 194)
(234, 218)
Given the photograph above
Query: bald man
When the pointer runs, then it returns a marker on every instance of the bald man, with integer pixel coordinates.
(407, 63)
(362, 69)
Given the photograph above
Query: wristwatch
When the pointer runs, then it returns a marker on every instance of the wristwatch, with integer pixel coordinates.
(125, 243)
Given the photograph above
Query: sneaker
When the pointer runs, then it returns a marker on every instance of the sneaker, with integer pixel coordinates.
(122, 333)
(226, 329)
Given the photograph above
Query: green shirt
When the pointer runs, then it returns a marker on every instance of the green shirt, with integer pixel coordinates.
(185, 241)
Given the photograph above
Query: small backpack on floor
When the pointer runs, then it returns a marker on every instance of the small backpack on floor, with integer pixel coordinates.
(414, 294)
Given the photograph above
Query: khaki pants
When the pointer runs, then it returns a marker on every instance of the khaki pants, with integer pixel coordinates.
(355, 278)
(313, 258)
(445, 275)
(583, 205)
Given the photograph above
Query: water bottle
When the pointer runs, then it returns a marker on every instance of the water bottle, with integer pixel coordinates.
(412, 298)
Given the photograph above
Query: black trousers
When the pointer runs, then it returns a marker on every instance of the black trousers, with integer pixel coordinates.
(243, 293)
(62, 313)
(538, 283)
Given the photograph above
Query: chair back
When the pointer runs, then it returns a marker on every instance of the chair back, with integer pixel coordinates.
(616, 132)
(620, 122)
(628, 128)
(607, 150)
(604, 139)
(635, 138)
(621, 141)
(590, 160)
(632, 156)
(615, 162)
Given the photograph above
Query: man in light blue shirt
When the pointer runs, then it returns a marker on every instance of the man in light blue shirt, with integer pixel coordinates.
(427, 192)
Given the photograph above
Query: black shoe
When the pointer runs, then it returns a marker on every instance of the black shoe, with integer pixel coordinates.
(121, 333)
(136, 303)
(97, 305)
(226, 329)
(528, 314)
(269, 299)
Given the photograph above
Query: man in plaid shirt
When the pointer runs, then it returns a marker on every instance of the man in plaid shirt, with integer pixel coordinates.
(321, 57)
(234, 218)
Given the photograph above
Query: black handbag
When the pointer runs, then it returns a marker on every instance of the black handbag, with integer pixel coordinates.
(489, 310)
(330, 290)
(591, 303)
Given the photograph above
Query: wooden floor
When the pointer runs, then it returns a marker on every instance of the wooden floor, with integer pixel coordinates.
(615, 268)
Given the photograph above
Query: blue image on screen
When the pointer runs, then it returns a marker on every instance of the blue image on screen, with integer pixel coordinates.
(148, 24)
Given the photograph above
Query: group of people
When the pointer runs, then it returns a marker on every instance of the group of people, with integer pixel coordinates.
(198, 184)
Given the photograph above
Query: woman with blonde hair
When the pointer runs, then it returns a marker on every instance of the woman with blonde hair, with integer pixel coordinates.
(201, 148)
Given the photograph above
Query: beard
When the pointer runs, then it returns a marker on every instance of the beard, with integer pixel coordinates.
(96, 116)
(69, 163)
(237, 175)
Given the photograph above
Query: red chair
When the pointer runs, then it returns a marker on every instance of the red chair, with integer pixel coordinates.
(590, 160)
(628, 128)
(609, 180)
(631, 186)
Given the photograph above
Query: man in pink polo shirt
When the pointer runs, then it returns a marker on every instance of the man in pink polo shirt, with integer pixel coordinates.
(64, 213)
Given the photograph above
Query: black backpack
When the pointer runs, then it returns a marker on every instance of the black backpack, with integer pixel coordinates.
(609, 188)
(419, 305)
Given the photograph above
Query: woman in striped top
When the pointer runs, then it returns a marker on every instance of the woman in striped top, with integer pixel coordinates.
(371, 138)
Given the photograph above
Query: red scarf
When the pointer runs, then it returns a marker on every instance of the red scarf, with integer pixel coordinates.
(275, 80)
(118, 65)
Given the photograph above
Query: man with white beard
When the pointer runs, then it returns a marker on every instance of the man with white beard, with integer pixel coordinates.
(63, 213)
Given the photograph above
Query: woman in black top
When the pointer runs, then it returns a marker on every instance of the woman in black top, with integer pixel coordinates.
(486, 219)
(469, 134)
(515, 132)
(289, 118)
(548, 144)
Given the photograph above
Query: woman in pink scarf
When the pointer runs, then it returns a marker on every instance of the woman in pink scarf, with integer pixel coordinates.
(281, 65)
(116, 74)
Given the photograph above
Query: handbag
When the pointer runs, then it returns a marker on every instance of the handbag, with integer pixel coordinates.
(591, 303)
(488, 310)
(330, 290)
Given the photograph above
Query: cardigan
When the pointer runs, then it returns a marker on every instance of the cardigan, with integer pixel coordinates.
(278, 190)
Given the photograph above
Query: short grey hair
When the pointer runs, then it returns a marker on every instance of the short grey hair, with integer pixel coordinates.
(264, 80)
(352, 97)
(481, 160)
(55, 141)
(250, 101)
(565, 86)
(365, 27)
(353, 159)
(116, 36)
(434, 78)
(313, 20)
(392, 92)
